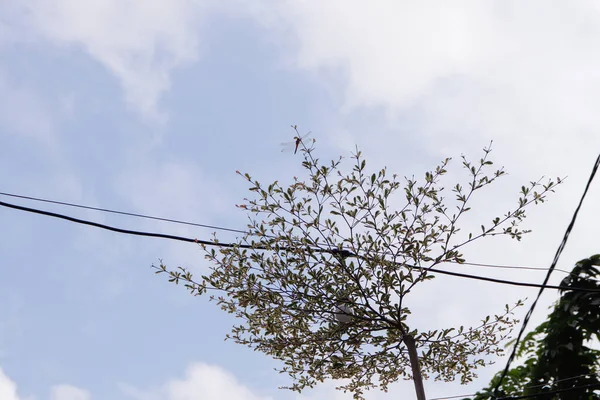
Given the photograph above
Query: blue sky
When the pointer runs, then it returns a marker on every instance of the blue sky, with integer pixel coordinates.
(151, 107)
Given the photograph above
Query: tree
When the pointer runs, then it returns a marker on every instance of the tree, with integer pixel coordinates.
(321, 277)
(557, 359)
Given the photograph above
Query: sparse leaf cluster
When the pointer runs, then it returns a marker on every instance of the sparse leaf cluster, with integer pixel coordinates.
(337, 241)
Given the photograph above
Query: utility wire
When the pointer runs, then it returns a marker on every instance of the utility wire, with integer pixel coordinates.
(526, 387)
(561, 380)
(510, 267)
(528, 396)
(552, 266)
(44, 200)
(503, 281)
(112, 228)
(343, 253)
(62, 203)
(454, 397)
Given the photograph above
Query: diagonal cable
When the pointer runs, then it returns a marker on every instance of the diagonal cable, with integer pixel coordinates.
(107, 210)
(554, 262)
(334, 251)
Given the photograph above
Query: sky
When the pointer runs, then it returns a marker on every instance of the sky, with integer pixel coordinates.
(150, 106)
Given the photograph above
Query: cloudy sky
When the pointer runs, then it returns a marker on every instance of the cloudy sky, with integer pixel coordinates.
(150, 106)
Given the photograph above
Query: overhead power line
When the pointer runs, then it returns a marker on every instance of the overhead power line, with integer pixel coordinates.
(112, 211)
(344, 253)
(544, 394)
(526, 396)
(175, 221)
(510, 267)
(526, 387)
(460, 396)
(552, 266)
(108, 227)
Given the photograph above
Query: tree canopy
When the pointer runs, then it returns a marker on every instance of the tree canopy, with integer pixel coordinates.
(320, 279)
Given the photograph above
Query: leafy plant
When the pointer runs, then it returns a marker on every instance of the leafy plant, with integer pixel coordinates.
(320, 280)
(557, 357)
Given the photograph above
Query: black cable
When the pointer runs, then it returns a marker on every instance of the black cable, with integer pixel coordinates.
(552, 266)
(509, 267)
(503, 281)
(526, 387)
(454, 397)
(112, 228)
(343, 253)
(228, 229)
(589, 374)
(62, 203)
(526, 396)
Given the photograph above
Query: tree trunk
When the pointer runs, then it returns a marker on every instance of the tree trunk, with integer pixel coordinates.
(409, 341)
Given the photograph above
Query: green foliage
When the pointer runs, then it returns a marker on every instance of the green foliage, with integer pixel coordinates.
(556, 355)
(335, 243)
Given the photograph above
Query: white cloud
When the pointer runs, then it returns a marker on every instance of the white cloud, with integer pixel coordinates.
(213, 382)
(380, 46)
(140, 42)
(68, 392)
(205, 381)
(517, 70)
(8, 389)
